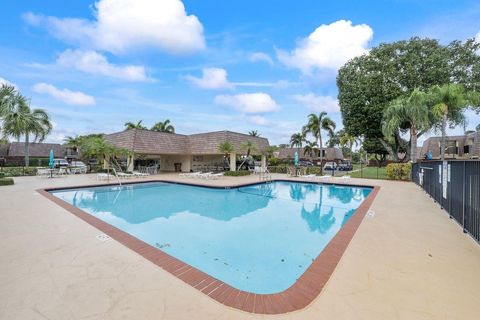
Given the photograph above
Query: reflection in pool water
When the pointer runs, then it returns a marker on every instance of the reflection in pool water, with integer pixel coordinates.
(257, 238)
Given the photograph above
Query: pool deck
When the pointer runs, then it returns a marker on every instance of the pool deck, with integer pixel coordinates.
(407, 261)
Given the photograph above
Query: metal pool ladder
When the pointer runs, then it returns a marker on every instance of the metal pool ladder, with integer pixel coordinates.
(265, 175)
(116, 175)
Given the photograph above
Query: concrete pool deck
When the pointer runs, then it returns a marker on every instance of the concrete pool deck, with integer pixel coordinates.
(407, 261)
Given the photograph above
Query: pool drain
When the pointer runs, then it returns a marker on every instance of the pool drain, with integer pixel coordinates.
(103, 237)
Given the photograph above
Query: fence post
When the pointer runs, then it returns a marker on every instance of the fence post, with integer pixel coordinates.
(464, 196)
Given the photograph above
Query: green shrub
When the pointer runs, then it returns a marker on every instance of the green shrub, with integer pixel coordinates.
(6, 181)
(399, 171)
(273, 162)
(237, 173)
(314, 170)
(278, 169)
(2, 175)
(18, 171)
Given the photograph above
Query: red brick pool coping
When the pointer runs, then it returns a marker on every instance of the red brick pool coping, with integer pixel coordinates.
(298, 296)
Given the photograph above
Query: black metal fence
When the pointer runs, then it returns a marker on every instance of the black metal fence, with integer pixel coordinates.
(455, 185)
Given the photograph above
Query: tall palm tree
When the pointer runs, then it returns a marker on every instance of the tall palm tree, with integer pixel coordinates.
(248, 147)
(73, 142)
(412, 112)
(254, 133)
(347, 140)
(296, 140)
(19, 120)
(131, 125)
(315, 125)
(449, 102)
(164, 126)
(226, 148)
(311, 149)
(98, 147)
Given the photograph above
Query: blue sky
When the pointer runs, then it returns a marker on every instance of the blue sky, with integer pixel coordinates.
(205, 65)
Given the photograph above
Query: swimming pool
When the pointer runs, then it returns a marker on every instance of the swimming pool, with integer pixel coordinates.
(259, 238)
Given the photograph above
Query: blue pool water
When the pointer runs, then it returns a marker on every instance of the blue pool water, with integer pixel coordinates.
(259, 238)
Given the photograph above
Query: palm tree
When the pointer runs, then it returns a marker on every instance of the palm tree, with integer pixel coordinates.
(315, 125)
(73, 142)
(253, 133)
(248, 147)
(448, 102)
(226, 148)
(412, 112)
(349, 140)
(164, 126)
(98, 147)
(311, 148)
(131, 125)
(19, 120)
(296, 140)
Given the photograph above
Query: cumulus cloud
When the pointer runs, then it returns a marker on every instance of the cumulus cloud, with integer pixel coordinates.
(65, 95)
(328, 47)
(318, 103)
(260, 57)
(95, 63)
(248, 102)
(122, 25)
(212, 78)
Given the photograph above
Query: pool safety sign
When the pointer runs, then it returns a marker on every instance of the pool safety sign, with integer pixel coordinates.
(445, 178)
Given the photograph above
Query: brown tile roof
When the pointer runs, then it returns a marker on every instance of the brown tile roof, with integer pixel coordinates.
(42, 150)
(152, 142)
(330, 153)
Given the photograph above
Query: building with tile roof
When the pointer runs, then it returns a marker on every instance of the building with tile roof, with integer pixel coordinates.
(457, 147)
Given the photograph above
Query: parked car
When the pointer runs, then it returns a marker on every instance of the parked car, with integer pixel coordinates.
(78, 166)
(60, 163)
(330, 166)
(345, 166)
(305, 163)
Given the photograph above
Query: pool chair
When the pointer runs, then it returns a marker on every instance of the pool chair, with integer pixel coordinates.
(104, 176)
(325, 177)
(137, 174)
(205, 175)
(216, 176)
(124, 175)
(190, 174)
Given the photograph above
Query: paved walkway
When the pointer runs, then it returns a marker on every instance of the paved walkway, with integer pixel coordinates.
(408, 261)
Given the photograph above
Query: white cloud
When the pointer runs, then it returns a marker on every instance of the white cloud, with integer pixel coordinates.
(122, 25)
(248, 102)
(328, 47)
(318, 103)
(95, 63)
(212, 78)
(65, 95)
(260, 56)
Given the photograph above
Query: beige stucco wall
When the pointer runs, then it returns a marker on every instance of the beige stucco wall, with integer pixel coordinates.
(167, 162)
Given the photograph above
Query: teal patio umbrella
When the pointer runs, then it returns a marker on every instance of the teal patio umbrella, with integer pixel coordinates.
(295, 160)
(51, 163)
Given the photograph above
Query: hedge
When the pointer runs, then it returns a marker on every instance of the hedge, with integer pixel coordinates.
(399, 171)
(6, 181)
(237, 173)
(2, 175)
(18, 171)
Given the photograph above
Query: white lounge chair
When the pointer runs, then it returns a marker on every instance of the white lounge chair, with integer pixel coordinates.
(216, 176)
(190, 174)
(309, 176)
(139, 174)
(125, 175)
(104, 176)
(205, 175)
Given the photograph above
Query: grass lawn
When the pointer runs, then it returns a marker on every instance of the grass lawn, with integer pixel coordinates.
(369, 172)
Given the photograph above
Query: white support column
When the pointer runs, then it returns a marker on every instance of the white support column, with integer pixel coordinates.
(264, 162)
(130, 163)
(233, 161)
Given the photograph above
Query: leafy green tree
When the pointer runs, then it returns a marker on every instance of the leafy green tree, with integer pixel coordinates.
(315, 125)
(347, 140)
(226, 148)
(369, 83)
(248, 147)
(311, 149)
(477, 127)
(19, 120)
(131, 125)
(413, 113)
(254, 133)
(449, 101)
(164, 126)
(296, 140)
(97, 147)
